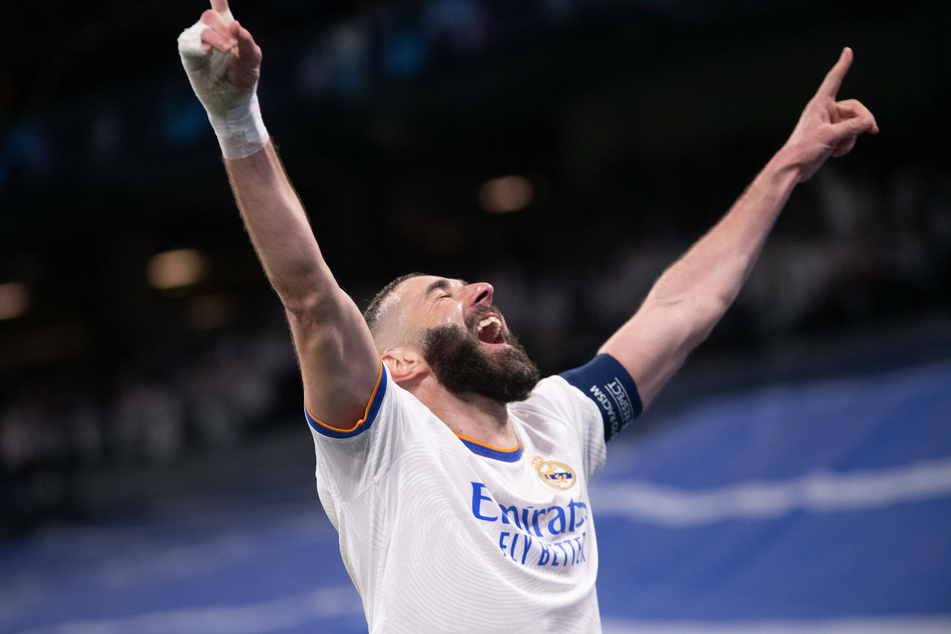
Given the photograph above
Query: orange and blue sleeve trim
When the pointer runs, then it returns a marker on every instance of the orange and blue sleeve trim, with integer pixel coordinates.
(488, 451)
(365, 423)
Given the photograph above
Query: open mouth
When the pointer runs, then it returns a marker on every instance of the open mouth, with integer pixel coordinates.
(489, 330)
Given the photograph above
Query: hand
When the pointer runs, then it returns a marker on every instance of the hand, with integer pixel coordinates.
(223, 65)
(828, 127)
(225, 34)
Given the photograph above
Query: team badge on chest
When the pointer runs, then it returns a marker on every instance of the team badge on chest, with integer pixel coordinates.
(555, 474)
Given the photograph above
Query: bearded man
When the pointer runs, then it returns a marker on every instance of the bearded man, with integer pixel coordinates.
(457, 480)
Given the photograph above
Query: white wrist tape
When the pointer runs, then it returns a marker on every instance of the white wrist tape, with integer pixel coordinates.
(234, 112)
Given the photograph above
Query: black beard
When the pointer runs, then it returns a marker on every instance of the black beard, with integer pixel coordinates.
(463, 366)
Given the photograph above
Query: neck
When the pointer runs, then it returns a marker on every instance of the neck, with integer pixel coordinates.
(475, 417)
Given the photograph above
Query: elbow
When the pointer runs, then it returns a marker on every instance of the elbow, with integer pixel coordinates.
(695, 317)
(309, 305)
(706, 314)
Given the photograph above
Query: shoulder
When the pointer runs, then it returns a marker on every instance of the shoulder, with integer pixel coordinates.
(350, 462)
(601, 390)
(390, 405)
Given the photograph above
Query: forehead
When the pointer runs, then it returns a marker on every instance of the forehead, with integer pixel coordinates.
(422, 286)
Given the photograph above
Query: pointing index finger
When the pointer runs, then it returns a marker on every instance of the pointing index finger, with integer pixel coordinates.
(830, 85)
(220, 6)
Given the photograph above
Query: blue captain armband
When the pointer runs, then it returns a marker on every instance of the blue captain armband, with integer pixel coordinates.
(606, 382)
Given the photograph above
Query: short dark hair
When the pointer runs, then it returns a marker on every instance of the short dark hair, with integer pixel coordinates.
(372, 313)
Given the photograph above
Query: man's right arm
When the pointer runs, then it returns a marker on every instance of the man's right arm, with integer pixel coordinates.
(339, 363)
(338, 360)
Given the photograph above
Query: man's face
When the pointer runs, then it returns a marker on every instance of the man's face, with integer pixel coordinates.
(465, 341)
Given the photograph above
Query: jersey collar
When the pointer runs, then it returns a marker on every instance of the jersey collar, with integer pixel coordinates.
(488, 451)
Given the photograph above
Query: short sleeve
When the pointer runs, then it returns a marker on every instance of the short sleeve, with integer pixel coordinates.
(609, 386)
(349, 462)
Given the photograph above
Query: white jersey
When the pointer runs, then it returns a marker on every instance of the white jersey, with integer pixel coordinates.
(442, 534)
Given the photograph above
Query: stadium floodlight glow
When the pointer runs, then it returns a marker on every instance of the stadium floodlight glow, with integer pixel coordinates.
(176, 269)
(506, 194)
(14, 300)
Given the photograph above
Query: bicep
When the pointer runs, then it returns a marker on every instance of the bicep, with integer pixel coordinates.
(339, 363)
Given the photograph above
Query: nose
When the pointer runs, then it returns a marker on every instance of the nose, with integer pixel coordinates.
(479, 293)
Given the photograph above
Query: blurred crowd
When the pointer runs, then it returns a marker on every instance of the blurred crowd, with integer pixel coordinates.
(883, 251)
(343, 54)
(392, 116)
(153, 412)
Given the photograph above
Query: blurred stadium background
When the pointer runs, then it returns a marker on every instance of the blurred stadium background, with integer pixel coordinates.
(157, 475)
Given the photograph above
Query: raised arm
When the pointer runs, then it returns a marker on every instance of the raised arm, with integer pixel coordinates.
(338, 359)
(690, 297)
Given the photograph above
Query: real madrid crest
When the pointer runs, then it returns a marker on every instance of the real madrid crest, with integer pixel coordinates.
(555, 474)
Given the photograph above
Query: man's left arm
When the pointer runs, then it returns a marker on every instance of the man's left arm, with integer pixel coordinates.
(692, 295)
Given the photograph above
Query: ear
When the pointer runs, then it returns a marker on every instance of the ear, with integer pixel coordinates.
(406, 365)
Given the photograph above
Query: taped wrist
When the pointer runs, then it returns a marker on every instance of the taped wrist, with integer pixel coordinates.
(234, 112)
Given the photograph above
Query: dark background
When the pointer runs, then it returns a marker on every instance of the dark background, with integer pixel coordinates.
(636, 123)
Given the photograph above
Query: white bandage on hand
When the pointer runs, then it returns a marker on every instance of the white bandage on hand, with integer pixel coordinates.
(234, 112)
